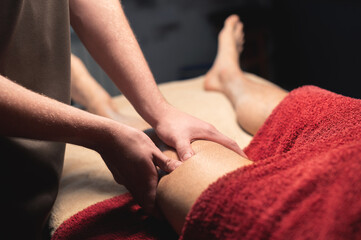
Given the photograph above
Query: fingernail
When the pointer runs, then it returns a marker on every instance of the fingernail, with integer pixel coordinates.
(187, 155)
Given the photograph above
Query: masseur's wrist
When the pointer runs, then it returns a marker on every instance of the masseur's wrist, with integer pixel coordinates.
(158, 113)
(99, 133)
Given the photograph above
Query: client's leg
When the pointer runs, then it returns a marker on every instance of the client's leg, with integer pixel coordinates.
(253, 98)
(86, 91)
(178, 191)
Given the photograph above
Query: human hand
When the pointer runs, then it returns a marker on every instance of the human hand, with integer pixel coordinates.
(132, 157)
(179, 130)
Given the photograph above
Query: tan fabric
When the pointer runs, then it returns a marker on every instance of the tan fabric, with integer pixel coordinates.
(35, 53)
(86, 180)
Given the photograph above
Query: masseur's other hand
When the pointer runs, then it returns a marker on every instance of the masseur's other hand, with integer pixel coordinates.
(132, 158)
(178, 130)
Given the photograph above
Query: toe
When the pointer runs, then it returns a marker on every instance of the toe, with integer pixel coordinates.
(239, 35)
(231, 21)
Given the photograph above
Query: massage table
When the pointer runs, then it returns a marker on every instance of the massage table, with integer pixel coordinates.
(86, 180)
(304, 182)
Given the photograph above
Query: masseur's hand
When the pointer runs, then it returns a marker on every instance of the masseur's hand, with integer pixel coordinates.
(178, 130)
(132, 158)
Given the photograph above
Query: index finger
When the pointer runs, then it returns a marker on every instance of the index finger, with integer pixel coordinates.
(216, 136)
(165, 163)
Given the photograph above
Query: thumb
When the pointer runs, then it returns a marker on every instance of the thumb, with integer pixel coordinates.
(184, 151)
(165, 163)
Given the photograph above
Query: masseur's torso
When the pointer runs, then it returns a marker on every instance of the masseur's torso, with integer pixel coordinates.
(35, 53)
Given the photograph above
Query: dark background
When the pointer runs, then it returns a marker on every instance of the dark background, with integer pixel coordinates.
(290, 42)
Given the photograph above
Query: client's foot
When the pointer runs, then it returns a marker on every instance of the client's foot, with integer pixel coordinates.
(230, 46)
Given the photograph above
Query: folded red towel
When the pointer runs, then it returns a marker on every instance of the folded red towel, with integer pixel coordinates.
(305, 183)
(306, 180)
(116, 218)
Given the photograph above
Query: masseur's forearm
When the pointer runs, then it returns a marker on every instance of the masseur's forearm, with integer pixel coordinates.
(104, 29)
(30, 115)
(128, 153)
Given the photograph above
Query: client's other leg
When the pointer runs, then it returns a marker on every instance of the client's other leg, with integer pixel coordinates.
(86, 91)
(253, 98)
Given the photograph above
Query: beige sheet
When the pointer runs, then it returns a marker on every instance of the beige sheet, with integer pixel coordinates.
(86, 180)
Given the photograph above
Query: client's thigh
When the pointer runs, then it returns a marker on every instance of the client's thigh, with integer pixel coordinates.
(178, 191)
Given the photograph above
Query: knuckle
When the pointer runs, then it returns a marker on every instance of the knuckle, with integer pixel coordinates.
(167, 163)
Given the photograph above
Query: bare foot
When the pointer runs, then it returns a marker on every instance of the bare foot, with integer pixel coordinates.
(230, 46)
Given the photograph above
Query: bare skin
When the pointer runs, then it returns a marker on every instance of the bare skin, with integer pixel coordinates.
(178, 191)
(253, 98)
(86, 91)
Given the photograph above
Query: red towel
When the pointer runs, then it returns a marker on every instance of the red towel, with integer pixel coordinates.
(305, 183)
(306, 180)
(115, 218)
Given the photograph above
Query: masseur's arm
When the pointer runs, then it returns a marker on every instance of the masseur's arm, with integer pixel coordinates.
(30, 115)
(104, 30)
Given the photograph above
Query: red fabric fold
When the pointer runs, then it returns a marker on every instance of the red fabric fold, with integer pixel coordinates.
(115, 218)
(305, 183)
